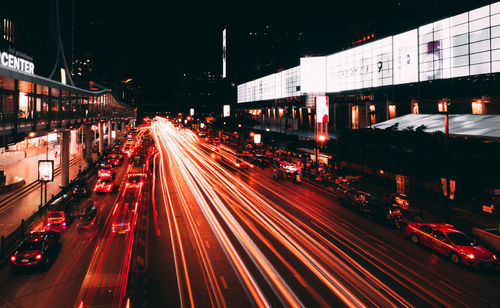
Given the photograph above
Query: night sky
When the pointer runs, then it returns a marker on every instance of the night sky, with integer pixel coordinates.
(155, 42)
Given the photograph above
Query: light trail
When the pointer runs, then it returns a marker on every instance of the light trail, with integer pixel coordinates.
(227, 200)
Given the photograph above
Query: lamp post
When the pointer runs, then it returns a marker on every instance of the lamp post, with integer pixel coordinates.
(446, 184)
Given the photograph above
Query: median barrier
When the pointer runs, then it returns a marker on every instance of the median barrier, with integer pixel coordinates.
(490, 237)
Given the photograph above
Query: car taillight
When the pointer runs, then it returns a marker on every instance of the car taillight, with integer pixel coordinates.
(38, 256)
(13, 258)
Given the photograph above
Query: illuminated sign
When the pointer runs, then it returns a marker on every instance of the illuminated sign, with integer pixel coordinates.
(226, 111)
(14, 62)
(46, 170)
(405, 48)
(462, 45)
(224, 53)
(191, 112)
(313, 74)
(63, 76)
(257, 138)
(322, 109)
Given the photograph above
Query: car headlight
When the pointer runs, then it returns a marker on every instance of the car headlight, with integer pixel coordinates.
(494, 257)
(470, 256)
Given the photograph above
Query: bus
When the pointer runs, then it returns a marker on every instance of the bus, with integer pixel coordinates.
(232, 155)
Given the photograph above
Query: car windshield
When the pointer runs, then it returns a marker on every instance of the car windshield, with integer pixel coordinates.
(28, 246)
(105, 168)
(107, 180)
(460, 239)
(55, 215)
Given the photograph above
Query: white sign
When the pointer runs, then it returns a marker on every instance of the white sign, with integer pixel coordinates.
(405, 57)
(63, 76)
(202, 125)
(227, 111)
(46, 170)
(191, 112)
(224, 53)
(313, 74)
(257, 138)
(11, 61)
(322, 109)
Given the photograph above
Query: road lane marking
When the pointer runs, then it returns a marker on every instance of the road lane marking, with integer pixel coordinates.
(447, 285)
(224, 284)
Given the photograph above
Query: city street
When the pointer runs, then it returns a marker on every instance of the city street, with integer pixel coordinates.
(286, 244)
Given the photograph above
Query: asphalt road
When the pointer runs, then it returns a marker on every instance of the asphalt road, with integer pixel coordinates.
(286, 244)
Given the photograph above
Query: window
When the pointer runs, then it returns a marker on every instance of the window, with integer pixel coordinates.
(440, 235)
(373, 115)
(355, 117)
(414, 108)
(477, 107)
(392, 111)
(426, 229)
(442, 107)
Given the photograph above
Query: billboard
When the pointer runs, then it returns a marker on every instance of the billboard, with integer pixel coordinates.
(462, 45)
(226, 111)
(313, 74)
(322, 109)
(46, 170)
(405, 48)
(224, 53)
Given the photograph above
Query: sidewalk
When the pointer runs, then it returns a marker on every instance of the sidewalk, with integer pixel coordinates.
(11, 216)
(431, 210)
(27, 168)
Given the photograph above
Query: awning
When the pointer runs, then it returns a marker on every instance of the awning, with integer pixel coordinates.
(476, 125)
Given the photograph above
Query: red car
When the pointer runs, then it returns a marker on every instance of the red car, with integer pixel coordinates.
(450, 242)
(106, 171)
(115, 159)
(104, 185)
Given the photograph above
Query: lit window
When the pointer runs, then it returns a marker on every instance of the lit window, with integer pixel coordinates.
(414, 108)
(477, 107)
(373, 116)
(392, 111)
(355, 117)
(442, 107)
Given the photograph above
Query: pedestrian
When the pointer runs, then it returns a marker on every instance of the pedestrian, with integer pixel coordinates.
(25, 154)
(79, 170)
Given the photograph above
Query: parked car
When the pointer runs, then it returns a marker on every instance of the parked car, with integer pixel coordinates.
(56, 220)
(37, 249)
(79, 190)
(385, 211)
(450, 242)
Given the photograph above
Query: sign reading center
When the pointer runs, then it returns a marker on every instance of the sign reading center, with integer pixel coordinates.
(11, 61)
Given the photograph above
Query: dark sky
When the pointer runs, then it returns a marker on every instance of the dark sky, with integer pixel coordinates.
(162, 39)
